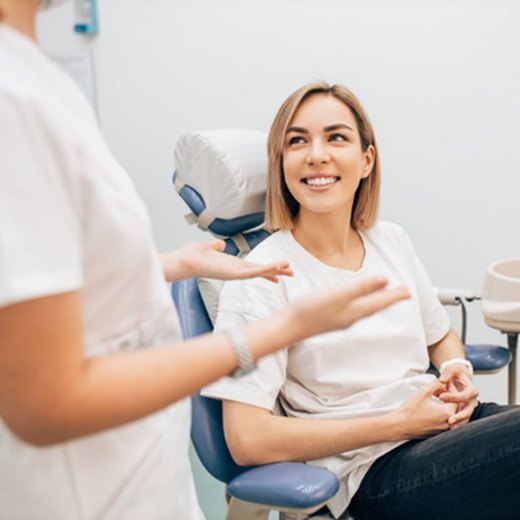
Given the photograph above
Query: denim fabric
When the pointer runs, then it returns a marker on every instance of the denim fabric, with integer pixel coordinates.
(472, 472)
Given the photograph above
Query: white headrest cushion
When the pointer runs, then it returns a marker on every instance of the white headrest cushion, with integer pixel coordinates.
(228, 168)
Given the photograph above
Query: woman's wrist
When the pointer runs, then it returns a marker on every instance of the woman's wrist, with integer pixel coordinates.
(456, 361)
(395, 425)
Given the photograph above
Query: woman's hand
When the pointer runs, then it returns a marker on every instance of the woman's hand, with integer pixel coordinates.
(461, 391)
(206, 259)
(424, 414)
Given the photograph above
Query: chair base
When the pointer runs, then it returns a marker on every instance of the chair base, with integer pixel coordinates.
(240, 510)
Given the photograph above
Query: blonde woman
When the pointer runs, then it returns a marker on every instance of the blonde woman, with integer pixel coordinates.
(404, 444)
(93, 375)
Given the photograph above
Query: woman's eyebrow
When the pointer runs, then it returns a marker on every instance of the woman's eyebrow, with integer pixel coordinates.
(329, 128)
(337, 126)
(298, 129)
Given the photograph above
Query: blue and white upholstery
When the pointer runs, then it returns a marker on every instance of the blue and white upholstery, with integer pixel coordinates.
(221, 177)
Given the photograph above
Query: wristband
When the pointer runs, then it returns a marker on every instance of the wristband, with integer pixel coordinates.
(245, 360)
(462, 361)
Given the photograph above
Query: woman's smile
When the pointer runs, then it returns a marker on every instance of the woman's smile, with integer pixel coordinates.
(320, 182)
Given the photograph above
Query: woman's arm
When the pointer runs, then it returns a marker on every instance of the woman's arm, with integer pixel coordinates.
(449, 347)
(256, 436)
(50, 392)
(206, 259)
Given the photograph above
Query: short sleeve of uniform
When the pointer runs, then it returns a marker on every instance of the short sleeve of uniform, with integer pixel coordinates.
(435, 318)
(242, 302)
(40, 242)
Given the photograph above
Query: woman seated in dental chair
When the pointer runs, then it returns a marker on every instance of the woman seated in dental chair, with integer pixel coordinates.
(404, 443)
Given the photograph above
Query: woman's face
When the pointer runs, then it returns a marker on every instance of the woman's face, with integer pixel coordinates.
(323, 160)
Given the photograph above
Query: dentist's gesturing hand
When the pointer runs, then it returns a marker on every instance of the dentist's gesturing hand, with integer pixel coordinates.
(206, 259)
(340, 308)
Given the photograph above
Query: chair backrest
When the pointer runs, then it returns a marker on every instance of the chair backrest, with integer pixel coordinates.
(207, 433)
(220, 175)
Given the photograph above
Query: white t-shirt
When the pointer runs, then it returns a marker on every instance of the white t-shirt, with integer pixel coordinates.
(70, 219)
(365, 370)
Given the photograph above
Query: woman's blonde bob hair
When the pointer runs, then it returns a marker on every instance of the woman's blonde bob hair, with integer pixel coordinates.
(281, 207)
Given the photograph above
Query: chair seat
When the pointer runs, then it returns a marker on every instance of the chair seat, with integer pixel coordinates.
(487, 358)
(285, 484)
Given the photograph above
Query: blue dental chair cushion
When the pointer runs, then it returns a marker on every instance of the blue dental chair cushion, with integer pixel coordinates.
(487, 358)
(284, 484)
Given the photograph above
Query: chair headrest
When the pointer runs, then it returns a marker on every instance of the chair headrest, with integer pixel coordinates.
(221, 175)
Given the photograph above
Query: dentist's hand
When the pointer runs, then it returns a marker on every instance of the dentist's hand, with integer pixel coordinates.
(322, 311)
(460, 391)
(206, 259)
(339, 308)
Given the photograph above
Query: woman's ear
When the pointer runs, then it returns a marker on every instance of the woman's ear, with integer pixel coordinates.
(369, 158)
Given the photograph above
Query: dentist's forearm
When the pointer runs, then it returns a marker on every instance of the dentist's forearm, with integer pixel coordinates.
(49, 391)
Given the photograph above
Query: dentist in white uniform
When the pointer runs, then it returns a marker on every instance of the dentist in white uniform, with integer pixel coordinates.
(94, 420)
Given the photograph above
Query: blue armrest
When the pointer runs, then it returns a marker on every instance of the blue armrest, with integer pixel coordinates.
(285, 484)
(487, 358)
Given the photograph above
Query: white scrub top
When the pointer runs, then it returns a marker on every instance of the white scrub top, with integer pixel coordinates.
(70, 219)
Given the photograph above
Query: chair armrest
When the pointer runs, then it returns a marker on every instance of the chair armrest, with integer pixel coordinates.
(450, 296)
(487, 358)
(285, 484)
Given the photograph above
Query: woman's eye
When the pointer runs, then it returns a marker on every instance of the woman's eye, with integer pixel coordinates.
(337, 137)
(298, 139)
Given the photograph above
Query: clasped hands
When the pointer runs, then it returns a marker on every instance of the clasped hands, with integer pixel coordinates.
(445, 404)
(460, 390)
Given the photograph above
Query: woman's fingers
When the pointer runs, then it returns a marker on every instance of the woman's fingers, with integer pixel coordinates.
(458, 396)
(461, 390)
(462, 416)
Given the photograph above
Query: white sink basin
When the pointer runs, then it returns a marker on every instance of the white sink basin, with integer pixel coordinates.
(501, 295)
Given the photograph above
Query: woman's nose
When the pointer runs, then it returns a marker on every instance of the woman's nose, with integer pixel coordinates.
(317, 153)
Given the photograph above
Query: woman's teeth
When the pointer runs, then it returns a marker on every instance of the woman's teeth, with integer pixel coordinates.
(320, 181)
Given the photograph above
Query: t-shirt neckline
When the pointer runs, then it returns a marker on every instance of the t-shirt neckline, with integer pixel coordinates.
(310, 257)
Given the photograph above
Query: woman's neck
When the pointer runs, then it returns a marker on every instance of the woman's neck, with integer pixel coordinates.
(330, 238)
(21, 16)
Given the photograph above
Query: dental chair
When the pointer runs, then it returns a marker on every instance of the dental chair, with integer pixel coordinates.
(221, 176)
(253, 491)
(238, 194)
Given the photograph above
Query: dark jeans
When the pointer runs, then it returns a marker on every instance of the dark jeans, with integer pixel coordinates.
(472, 472)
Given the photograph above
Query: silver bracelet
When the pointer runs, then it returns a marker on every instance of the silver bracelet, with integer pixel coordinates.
(455, 361)
(245, 360)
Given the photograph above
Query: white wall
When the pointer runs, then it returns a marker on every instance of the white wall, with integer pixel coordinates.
(440, 79)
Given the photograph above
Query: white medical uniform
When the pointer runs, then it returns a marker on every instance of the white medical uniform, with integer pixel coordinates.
(70, 219)
(365, 370)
